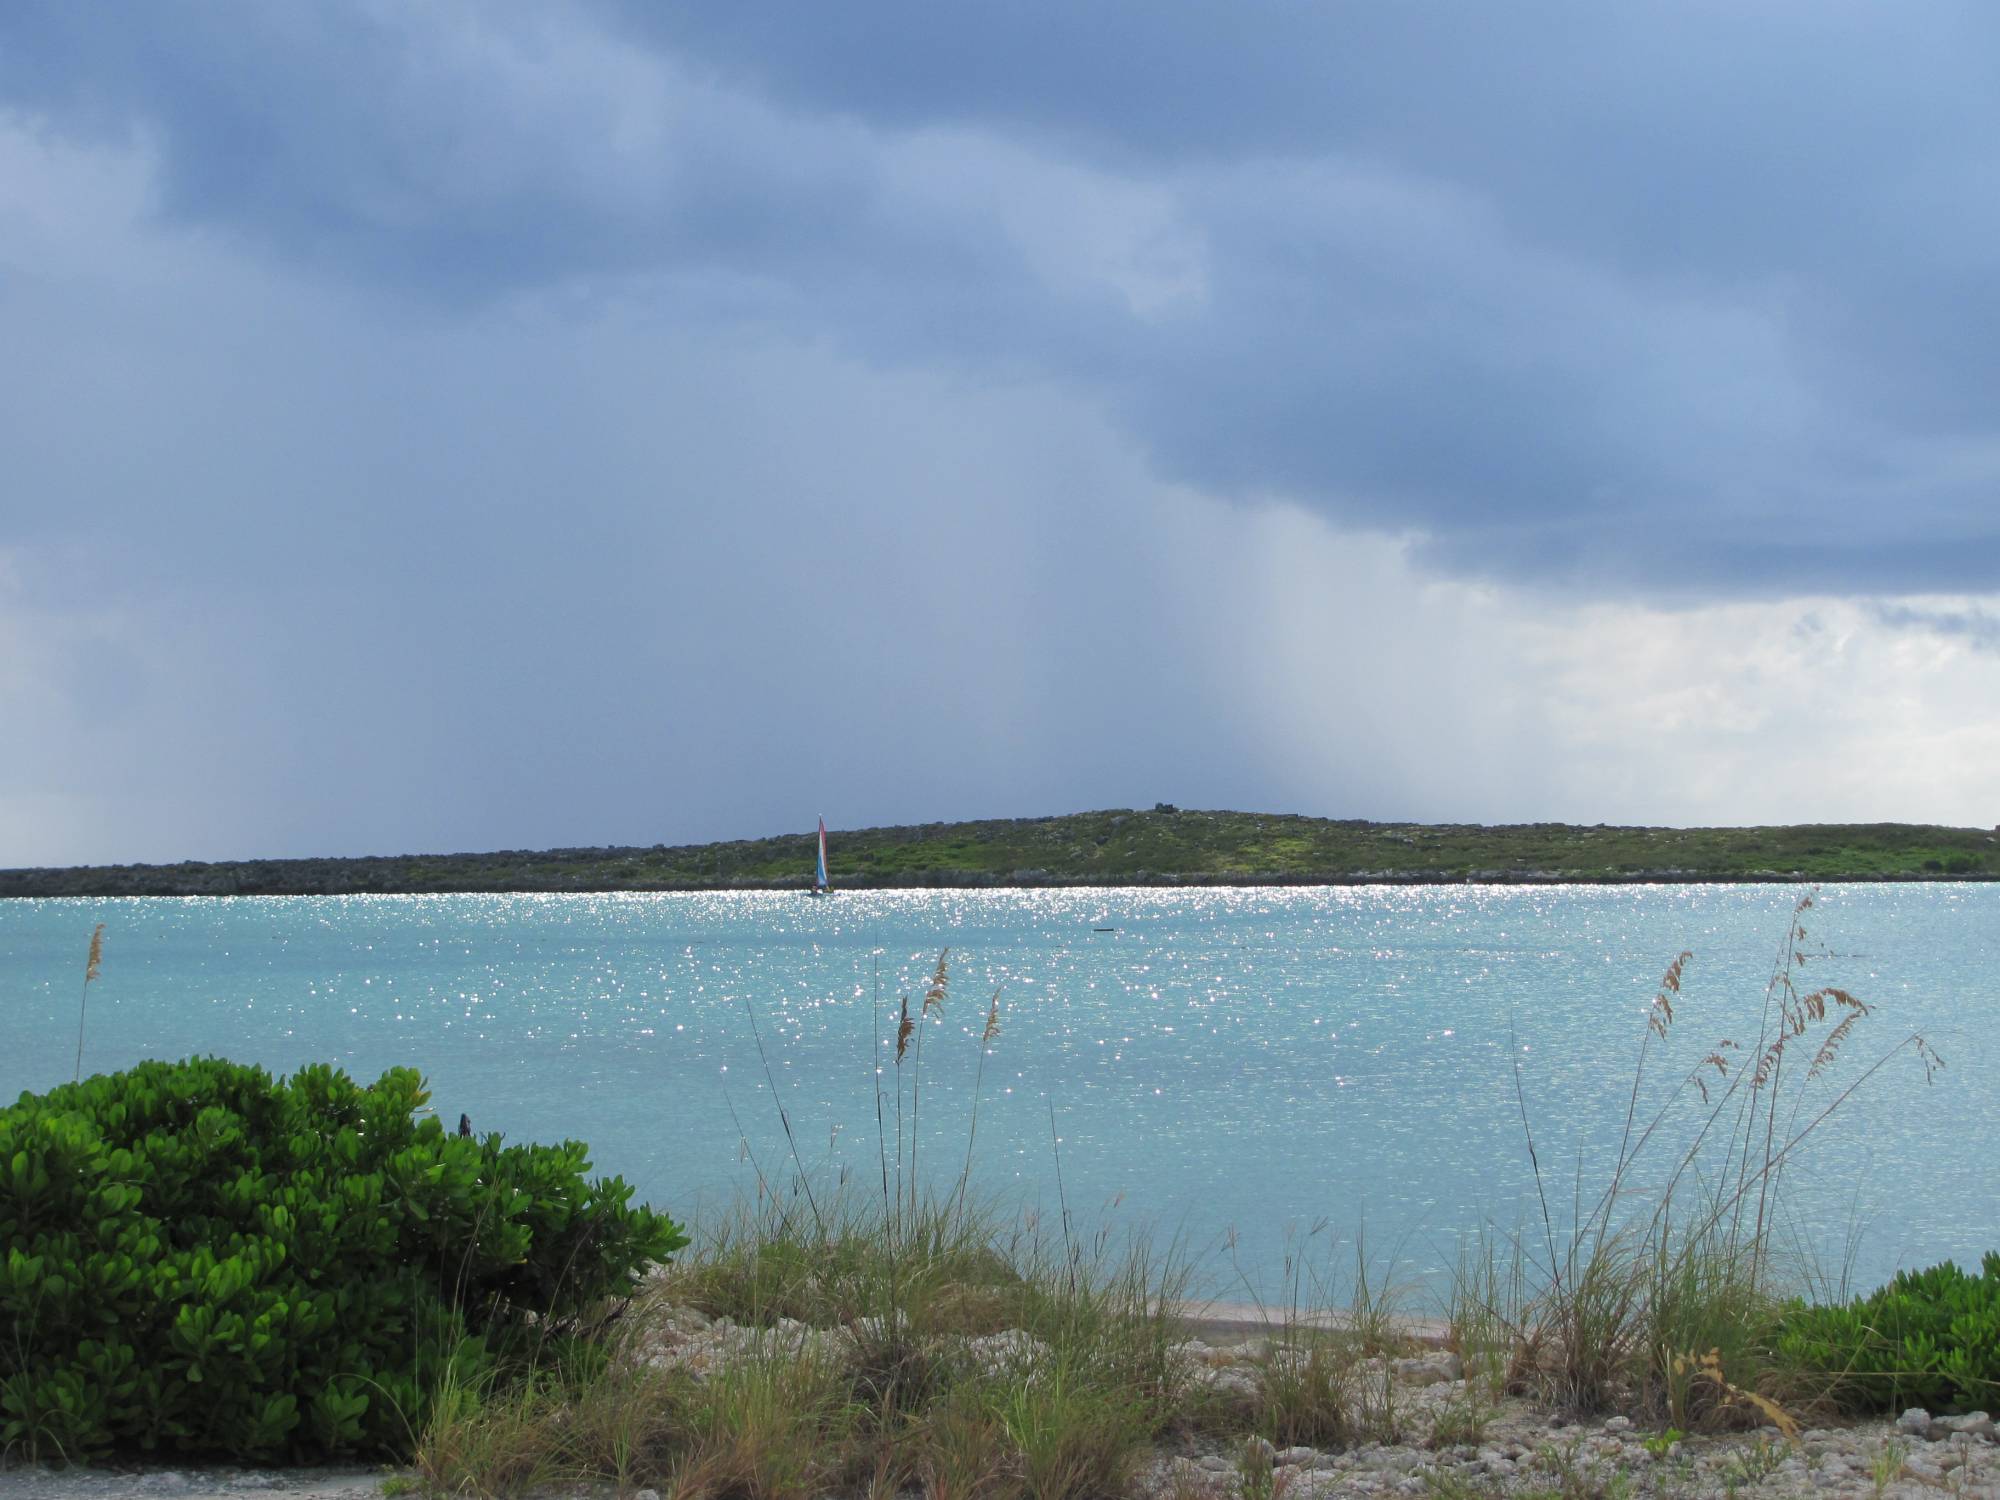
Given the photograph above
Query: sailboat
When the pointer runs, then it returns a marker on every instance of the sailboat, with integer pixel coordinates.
(821, 886)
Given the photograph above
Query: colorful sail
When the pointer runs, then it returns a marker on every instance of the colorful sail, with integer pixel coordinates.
(820, 882)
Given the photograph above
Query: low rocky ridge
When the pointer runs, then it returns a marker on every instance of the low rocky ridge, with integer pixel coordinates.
(1167, 846)
(1450, 1438)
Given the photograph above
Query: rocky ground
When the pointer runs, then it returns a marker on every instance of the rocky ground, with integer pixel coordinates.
(1449, 1438)
(1520, 1451)
(38, 1483)
(1436, 1434)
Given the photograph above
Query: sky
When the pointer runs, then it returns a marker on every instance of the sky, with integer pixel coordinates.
(451, 426)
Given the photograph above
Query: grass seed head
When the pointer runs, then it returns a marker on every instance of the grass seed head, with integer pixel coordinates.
(1663, 1008)
(940, 980)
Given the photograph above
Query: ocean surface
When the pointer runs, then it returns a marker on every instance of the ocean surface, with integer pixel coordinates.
(1263, 1076)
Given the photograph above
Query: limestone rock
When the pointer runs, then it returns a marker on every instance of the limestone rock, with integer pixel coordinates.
(1976, 1425)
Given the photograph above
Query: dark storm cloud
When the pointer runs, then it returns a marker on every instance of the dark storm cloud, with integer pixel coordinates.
(1691, 299)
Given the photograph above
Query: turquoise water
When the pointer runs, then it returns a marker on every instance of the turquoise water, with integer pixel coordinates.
(1253, 1070)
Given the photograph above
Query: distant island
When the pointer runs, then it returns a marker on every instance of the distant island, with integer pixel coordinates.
(1166, 846)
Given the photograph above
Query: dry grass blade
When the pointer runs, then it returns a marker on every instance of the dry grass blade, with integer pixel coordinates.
(90, 970)
(1929, 1058)
(1767, 1062)
(934, 996)
(784, 1115)
(1714, 1060)
(986, 1040)
(903, 1029)
(1709, 1367)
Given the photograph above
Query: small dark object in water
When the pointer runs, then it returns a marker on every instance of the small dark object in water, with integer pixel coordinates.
(1104, 929)
(465, 1125)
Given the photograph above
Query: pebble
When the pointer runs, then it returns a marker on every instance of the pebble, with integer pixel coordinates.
(1429, 1369)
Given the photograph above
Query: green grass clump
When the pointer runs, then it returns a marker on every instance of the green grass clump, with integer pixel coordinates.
(866, 1376)
(941, 1267)
(1929, 1338)
(200, 1259)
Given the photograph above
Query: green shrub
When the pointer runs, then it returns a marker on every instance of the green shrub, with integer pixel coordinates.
(1929, 1338)
(200, 1259)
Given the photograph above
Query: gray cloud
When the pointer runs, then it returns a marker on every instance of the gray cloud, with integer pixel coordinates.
(1668, 298)
(1974, 626)
(289, 574)
(448, 426)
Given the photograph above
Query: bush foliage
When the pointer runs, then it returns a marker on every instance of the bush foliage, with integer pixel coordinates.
(1929, 1338)
(199, 1258)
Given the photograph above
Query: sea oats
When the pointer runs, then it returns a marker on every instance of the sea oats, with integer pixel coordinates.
(91, 966)
(940, 979)
(1670, 984)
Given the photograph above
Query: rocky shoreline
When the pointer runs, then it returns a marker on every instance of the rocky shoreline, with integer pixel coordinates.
(1440, 1432)
(1451, 1440)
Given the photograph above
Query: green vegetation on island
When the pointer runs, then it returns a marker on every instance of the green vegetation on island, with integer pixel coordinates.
(1166, 846)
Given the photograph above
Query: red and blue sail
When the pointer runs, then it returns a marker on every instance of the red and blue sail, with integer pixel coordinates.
(820, 882)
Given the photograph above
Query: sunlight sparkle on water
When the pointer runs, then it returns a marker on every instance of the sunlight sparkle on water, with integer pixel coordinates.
(1189, 1055)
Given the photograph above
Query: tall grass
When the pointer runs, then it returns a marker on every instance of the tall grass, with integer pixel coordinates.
(1327, 1331)
(1665, 1294)
(916, 1337)
(91, 966)
(961, 1354)
(893, 1386)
